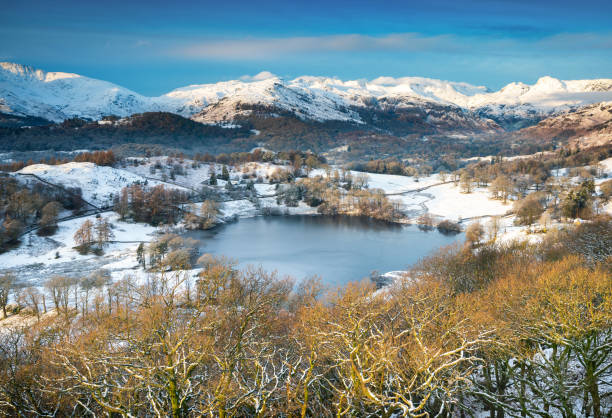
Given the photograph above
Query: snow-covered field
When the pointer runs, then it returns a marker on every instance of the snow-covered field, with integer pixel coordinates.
(40, 257)
(440, 199)
(393, 184)
(99, 184)
(194, 177)
(447, 201)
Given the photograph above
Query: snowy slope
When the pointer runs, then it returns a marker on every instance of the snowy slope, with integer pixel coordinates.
(56, 96)
(99, 184)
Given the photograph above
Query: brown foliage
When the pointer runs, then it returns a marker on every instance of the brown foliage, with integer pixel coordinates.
(467, 330)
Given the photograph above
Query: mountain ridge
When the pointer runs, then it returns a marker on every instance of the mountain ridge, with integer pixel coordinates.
(56, 96)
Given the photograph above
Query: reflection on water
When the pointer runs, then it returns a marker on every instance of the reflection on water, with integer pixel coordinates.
(337, 248)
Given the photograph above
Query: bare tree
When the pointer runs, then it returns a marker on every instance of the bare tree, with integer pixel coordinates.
(8, 282)
(84, 236)
(59, 287)
(466, 183)
(103, 230)
(474, 233)
(493, 227)
(33, 298)
(48, 219)
(501, 188)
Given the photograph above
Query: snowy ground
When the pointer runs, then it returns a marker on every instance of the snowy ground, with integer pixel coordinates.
(447, 201)
(40, 257)
(99, 184)
(607, 164)
(195, 177)
(393, 184)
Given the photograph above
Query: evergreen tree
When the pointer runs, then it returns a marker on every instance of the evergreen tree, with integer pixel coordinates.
(140, 255)
(213, 179)
(225, 173)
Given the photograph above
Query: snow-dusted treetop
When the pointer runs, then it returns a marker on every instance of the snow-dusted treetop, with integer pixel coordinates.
(57, 96)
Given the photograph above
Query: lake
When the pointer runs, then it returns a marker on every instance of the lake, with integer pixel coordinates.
(339, 249)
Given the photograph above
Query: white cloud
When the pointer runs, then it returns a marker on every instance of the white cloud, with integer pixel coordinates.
(254, 49)
(264, 75)
(260, 48)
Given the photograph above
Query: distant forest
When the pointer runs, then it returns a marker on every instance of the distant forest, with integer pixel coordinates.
(282, 133)
(161, 128)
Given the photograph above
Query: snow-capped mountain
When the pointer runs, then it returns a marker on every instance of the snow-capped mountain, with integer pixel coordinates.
(58, 96)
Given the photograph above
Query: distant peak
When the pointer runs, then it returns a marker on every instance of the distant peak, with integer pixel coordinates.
(19, 69)
(30, 91)
(550, 82)
(263, 75)
(29, 72)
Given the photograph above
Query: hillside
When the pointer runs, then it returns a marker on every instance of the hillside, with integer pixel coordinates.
(98, 184)
(159, 128)
(587, 126)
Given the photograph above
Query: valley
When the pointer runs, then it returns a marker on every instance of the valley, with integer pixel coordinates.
(393, 246)
(435, 197)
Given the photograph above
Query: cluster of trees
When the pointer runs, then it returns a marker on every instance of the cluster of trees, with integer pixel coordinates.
(12, 166)
(24, 206)
(509, 331)
(521, 174)
(257, 155)
(155, 205)
(205, 217)
(340, 193)
(393, 166)
(536, 192)
(445, 226)
(169, 252)
(577, 199)
(93, 236)
(577, 157)
(18, 165)
(97, 157)
(560, 199)
(371, 203)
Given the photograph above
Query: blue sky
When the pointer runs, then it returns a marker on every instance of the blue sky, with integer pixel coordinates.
(154, 46)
